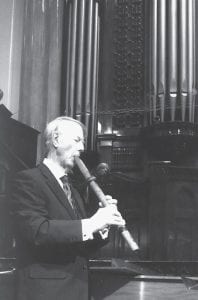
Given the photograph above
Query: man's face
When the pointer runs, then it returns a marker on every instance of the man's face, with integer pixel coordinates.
(70, 142)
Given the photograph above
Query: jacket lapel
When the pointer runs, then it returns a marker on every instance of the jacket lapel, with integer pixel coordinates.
(56, 188)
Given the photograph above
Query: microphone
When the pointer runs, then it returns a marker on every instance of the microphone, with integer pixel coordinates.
(102, 169)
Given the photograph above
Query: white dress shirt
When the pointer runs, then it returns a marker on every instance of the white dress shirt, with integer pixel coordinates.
(58, 172)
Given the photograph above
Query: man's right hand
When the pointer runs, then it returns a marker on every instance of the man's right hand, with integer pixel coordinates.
(105, 217)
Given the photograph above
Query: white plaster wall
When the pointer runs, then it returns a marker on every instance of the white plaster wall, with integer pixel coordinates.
(11, 28)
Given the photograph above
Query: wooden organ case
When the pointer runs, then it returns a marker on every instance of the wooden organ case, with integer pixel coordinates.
(153, 161)
(147, 133)
(18, 147)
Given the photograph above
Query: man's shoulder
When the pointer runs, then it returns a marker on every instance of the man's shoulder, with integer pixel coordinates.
(31, 172)
(28, 177)
(38, 173)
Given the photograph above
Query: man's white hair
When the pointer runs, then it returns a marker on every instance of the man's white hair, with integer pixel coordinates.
(54, 126)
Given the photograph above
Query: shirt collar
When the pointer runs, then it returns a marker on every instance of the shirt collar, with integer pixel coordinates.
(55, 169)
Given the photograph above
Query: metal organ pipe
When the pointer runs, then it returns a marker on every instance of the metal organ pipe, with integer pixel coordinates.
(183, 38)
(191, 58)
(95, 75)
(194, 57)
(73, 56)
(80, 60)
(89, 54)
(162, 57)
(173, 59)
(153, 59)
(68, 79)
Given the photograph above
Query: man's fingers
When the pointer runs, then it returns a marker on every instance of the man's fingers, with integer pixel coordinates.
(110, 202)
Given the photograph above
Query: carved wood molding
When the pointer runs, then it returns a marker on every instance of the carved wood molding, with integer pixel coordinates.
(166, 172)
(128, 60)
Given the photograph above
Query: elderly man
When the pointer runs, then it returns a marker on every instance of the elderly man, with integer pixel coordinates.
(54, 237)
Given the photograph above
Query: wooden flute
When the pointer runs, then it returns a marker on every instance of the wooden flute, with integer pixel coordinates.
(102, 198)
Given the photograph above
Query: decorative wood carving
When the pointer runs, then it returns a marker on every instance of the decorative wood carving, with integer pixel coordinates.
(122, 80)
(128, 61)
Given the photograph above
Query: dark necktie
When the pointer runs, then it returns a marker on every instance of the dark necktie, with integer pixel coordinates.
(68, 193)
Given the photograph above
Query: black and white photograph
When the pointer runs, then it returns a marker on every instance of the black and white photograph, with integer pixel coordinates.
(98, 149)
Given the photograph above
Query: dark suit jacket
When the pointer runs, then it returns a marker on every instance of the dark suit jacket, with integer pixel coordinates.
(51, 256)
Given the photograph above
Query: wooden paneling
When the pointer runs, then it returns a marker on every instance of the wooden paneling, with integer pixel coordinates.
(18, 144)
(173, 213)
(117, 285)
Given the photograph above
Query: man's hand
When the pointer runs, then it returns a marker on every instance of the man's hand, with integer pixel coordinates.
(110, 201)
(106, 216)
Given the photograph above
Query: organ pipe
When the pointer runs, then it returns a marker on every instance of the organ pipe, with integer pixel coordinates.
(183, 56)
(191, 58)
(173, 56)
(162, 56)
(153, 49)
(89, 54)
(194, 57)
(80, 60)
(95, 75)
(173, 59)
(68, 79)
(73, 56)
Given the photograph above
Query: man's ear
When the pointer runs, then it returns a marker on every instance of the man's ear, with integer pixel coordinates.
(55, 139)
